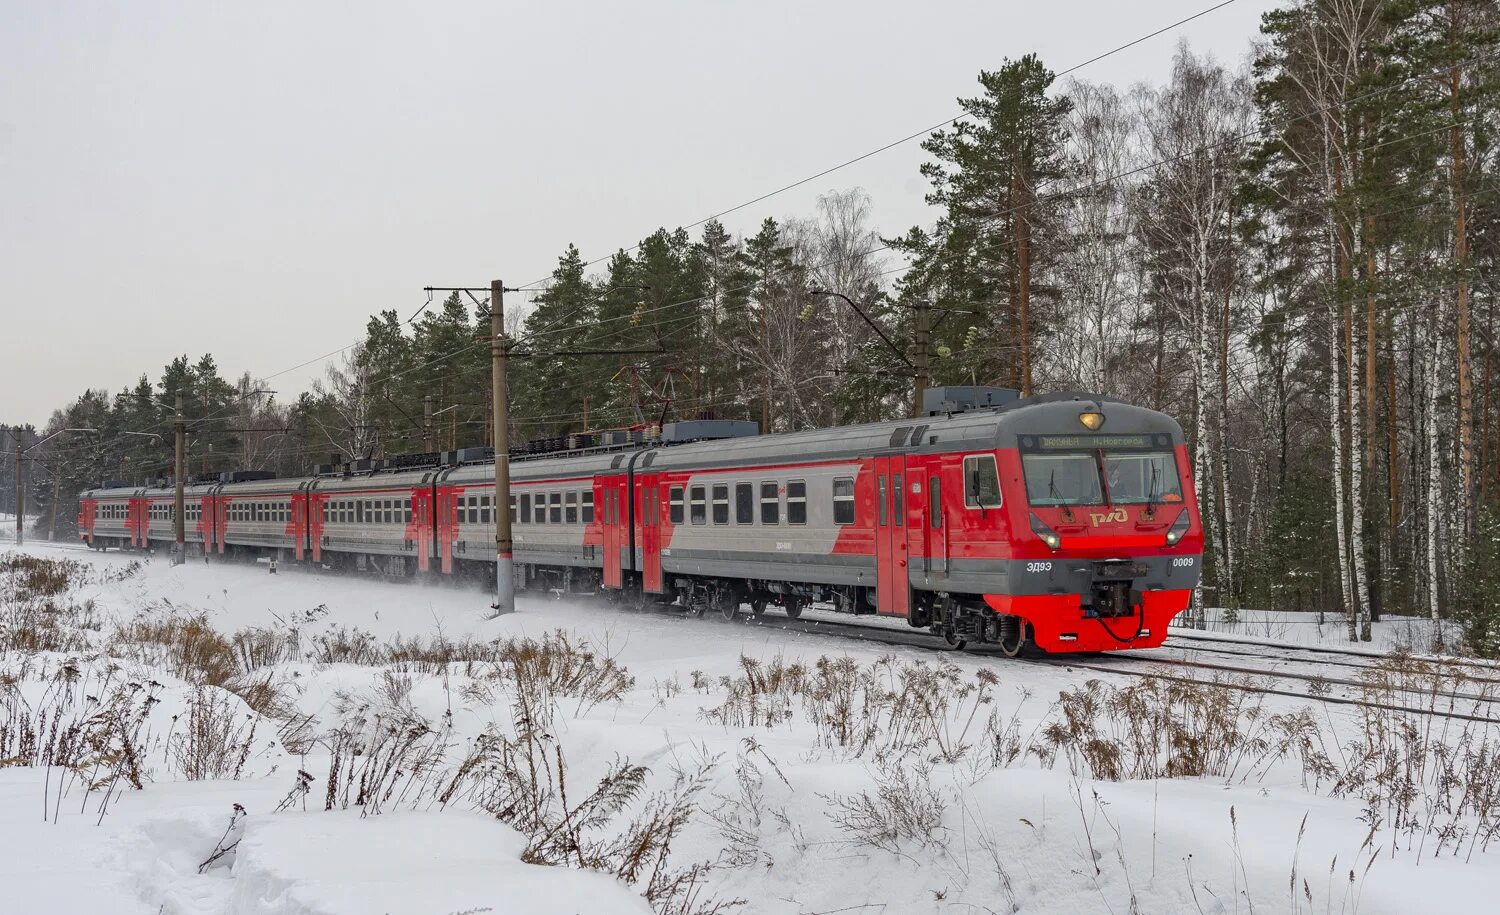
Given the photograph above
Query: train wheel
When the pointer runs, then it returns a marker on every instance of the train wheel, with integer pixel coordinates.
(758, 607)
(728, 603)
(793, 606)
(953, 639)
(1013, 646)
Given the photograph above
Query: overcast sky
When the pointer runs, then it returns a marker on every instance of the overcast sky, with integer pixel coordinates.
(254, 179)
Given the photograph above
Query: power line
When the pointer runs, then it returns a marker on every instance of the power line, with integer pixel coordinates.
(530, 286)
(912, 136)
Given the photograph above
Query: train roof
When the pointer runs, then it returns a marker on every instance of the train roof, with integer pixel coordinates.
(112, 492)
(545, 468)
(1005, 426)
(977, 430)
(170, 492)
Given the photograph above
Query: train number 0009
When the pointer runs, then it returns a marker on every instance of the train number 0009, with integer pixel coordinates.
(1181, 561)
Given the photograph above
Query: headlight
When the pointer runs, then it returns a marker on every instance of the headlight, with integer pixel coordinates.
(1048, 535)
(1178, 529)
(1091, 419)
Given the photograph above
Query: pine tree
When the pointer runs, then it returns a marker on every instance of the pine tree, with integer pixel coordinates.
(990, 168)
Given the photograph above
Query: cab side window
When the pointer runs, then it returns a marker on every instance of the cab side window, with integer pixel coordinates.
(981, 481)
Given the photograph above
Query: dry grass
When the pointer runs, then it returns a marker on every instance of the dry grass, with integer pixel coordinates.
(1157, 729)
(185, 646)
(35, 614)
(884, 710)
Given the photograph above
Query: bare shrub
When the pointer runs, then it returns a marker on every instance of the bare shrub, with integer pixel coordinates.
(883, 709)
(86, 724)
(1156, 728)
(344, 645)
(903, 809)
(212, 739)
(257, 646)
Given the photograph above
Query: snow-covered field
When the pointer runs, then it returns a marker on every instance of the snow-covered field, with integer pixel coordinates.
(783, 770)
(1406, 633)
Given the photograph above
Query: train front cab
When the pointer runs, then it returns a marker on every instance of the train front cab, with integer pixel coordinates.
(1104, 533)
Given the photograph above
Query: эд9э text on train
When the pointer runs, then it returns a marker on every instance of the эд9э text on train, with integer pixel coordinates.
(1065, 521)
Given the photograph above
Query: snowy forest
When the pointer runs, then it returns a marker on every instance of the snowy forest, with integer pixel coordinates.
(1289, 253)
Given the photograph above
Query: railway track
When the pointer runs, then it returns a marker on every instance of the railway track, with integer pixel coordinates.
(1135, 664)
(1324, 653)
(1132, 665)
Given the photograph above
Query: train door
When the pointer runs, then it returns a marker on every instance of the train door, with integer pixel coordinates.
(609, 526)
(925, 531)
(298, 526)
(650, 490)
(420, 527)
(135, 522)
(892, 578)
(447, 525)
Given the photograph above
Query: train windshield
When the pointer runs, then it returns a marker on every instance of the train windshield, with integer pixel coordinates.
(1063, 479)
(1100, 477)
(1136, 478)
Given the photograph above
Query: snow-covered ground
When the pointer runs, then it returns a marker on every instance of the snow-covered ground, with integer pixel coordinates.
(805, 772)
(1405, 633)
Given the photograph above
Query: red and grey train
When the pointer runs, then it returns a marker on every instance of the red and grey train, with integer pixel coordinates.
(1066, 521)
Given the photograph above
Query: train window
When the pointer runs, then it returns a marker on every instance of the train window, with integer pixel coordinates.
(512, 509)
(696, 508)
(571, 510)
(770, 503)
(721, 503)
(525, 515)
(406, 509)
(981, 481)
(1062, 479)
(744, 503)
(796, 502)
(359, 511)
(674, 505)
(880, 500)
(935, 501)
(473, 503)
(899, 497)
(484, 509)
(554, 508)
(588, 506)
(843, 500)
(1136, 478)
(541, 508)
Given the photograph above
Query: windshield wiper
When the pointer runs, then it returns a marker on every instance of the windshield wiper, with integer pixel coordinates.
(1057, 496)
(1151, 493)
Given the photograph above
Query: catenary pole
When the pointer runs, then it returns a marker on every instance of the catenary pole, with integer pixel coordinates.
(427, 424)
(15, 434)
(179, 555)
(505, 595)
(920, 354)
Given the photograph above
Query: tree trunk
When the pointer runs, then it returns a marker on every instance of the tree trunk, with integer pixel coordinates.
(1461, 262)
(1372, 598)
(1021, 193)
(1226, 504)
(1434, 478)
